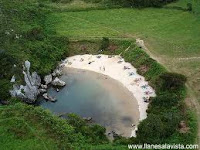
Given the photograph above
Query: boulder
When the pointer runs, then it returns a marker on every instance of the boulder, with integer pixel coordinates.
(140, 43)
(48, 79)
(45, 95)
(57, 72)
(58, 82)
(87, 118)
(42, 90)
(13, 79)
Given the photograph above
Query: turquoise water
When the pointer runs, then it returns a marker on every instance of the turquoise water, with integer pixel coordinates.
(90, 94)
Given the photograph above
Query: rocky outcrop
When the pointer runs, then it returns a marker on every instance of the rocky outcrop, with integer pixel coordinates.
(33, 86)
(58, 82)
(48, 79)
(30, 90)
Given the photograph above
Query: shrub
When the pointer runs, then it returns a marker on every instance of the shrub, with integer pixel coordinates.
(142, 3)
(151, 130)
(61, 1)
(171, 82)
(92, 1)
(6, 64)
(76, 121)
(5, 86)
(105, 43)
(171, 119)
(36, 33)
(189, 6)
(165, 100)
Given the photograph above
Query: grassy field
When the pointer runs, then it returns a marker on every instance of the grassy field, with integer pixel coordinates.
(172, 36)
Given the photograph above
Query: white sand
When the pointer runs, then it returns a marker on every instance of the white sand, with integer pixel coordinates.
(112, 68)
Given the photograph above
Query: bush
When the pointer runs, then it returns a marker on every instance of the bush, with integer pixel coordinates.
(104, 43)
(5, 86)
(6, 64)
(36, 33)
(61, 1)
(141, 3)
(189, 6)
(171, 82)
(165, 101)
(92, 1)
(151, 130)
(171, 119)
(76, 121)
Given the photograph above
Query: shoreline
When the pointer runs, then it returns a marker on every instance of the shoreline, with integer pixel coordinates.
(115, 67)
(125, 104)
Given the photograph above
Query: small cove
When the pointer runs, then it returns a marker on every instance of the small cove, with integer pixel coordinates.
(91, 94)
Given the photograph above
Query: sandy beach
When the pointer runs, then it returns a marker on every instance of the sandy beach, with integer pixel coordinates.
(115, 67)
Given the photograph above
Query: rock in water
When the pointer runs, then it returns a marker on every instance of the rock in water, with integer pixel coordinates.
(48, 79)
(30, 91)
(45, 95)
(42, 90)
(58, 82)
(49, 98)
(43, 86)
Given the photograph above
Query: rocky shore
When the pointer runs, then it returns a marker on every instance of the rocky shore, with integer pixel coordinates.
(33, 84)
